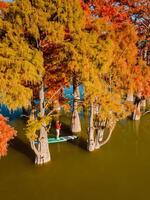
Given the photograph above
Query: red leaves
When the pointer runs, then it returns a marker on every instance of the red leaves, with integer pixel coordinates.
(85, 7)
(141, 80)
(6, 133)
(3, 5)
(107, 9)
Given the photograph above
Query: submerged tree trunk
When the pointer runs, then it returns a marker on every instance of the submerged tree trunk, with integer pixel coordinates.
(43, 155)
(91, 142)
(100, 134)
(76, 124)
(137, 109)
(137, 112)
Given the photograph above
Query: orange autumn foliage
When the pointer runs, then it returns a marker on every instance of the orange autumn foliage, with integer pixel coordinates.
(3, 5)
(107, 9)
(6, 134)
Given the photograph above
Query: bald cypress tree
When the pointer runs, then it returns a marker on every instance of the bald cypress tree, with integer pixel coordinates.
(24, 27)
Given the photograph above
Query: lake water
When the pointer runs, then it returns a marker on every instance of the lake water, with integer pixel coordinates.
(118, 171)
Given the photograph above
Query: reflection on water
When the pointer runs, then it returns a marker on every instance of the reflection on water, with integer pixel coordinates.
(136, 130)
(118, 171)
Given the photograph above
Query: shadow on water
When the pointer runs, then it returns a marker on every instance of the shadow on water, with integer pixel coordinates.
(22, 147)
(66, 130)
(20, 143)
(80, 141)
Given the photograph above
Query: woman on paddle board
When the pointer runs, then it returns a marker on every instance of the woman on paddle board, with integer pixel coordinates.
(58, 127)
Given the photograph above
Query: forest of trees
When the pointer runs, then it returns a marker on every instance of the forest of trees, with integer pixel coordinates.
(47, 45)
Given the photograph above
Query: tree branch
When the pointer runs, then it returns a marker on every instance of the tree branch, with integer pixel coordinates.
(34, 148)
(109, 136)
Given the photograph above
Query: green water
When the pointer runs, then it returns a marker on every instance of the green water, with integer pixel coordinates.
(118, 171)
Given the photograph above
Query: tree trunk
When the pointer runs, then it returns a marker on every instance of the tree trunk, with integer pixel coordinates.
(44, 155)
(143, 105)
(100, 134)
(148, 103)
(99, 137)
(76, 124)
(147, 110)
(137, 110)
(130, 96)
(109, 135)
(91, 142)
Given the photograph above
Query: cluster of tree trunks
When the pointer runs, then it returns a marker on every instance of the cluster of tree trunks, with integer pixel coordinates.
(96, 131)
(140, 104)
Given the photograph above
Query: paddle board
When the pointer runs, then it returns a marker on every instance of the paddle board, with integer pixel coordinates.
(60, 139)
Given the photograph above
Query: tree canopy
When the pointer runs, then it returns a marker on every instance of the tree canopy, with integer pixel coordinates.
(48, 45)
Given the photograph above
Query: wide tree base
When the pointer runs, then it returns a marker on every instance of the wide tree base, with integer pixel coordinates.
(40, 160)
(76, 125)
